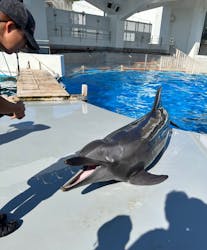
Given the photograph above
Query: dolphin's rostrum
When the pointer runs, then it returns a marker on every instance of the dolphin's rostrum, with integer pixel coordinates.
(124, 154)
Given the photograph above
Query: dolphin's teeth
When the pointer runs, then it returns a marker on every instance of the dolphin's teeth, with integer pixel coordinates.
(72, 180)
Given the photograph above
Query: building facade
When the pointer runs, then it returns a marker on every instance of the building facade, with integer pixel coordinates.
(180, 26)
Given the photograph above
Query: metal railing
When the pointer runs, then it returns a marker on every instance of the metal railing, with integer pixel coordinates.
(179, 61)
(5, 69)
(44, 66)
(75, 29)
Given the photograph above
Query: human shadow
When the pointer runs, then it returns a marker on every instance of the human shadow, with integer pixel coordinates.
(187, 219)
(114, 234)
(21, 129)
(41, 187)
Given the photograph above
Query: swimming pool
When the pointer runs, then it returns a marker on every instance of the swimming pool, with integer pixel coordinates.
(132, 94)
(7, 85)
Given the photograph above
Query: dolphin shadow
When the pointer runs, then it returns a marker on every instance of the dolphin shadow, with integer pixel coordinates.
(187, 219)
(97, 185)
(21, 129)
(114, 234)
(42, 186)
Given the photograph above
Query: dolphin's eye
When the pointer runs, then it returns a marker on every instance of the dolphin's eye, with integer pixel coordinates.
(109, 159)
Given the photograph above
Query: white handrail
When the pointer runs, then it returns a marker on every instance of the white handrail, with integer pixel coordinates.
(56, 75)
(6, 64)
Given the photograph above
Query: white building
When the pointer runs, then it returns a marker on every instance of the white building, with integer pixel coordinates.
(180, 24)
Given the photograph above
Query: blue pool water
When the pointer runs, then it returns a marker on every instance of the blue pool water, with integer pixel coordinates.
(8, 85)
(132, 94)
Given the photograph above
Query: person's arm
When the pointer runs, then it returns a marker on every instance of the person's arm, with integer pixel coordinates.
(16, 110)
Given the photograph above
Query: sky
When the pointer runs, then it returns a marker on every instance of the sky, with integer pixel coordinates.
(145, 16)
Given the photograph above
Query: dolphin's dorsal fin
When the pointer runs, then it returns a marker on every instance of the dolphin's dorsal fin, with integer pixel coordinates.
(145, 178)
(157, 99)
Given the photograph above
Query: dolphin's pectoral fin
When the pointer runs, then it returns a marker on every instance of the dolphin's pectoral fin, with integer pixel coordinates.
(144, 178)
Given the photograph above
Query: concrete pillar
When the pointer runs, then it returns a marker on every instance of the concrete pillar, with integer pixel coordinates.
(186, 24)
(196, 29)
(165, 26)
(37, 8)
(117, 32)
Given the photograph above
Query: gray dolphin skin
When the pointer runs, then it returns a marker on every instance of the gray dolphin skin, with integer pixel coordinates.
(124, 154)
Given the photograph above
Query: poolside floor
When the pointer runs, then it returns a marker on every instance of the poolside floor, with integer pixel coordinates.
(171, 215)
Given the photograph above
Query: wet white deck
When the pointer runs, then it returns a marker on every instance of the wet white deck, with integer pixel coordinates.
(171, 215)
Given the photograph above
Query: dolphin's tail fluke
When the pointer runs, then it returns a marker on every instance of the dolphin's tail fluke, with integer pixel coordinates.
(157, 99)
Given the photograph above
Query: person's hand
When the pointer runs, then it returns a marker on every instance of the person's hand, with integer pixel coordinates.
(11, 106)
(19, 110)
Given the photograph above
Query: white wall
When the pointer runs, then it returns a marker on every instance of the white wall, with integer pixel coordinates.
(198, 20)
(52, 63)
(186, 25)
(180, 27)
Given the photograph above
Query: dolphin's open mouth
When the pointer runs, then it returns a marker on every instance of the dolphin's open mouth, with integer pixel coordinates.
(82, 174)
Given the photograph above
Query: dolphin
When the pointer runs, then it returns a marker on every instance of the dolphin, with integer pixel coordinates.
(125, 154)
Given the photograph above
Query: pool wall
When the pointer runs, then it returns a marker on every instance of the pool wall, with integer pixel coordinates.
(178, 61)
(67, 63)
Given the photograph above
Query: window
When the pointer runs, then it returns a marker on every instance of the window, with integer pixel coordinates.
(129, 36)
